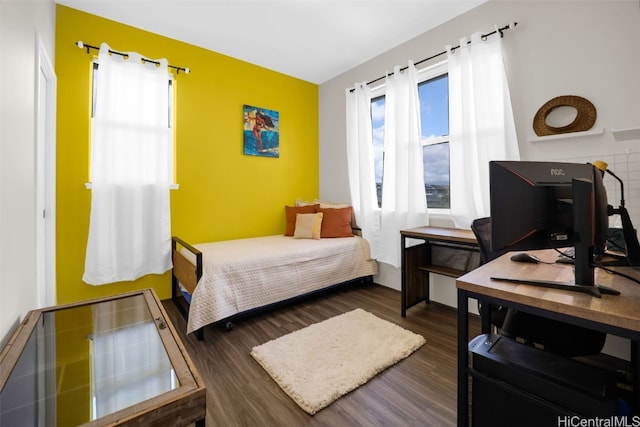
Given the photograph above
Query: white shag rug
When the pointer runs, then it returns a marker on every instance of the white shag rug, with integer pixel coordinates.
(318, 364)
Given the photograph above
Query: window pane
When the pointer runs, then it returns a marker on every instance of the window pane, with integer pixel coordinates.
(434, 110)
(434, 106)
(94, 88)
(436, 175)
(377, 124)
(169, 111)
(169, 119)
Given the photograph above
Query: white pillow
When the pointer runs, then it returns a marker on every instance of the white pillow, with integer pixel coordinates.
(323, 204)
(329, 205)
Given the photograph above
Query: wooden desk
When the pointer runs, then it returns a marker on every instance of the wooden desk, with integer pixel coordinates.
(617, 315)
(420, 260)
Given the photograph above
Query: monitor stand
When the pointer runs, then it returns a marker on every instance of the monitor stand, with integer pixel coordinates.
(583, 227)
(593, 290)
(614, 260)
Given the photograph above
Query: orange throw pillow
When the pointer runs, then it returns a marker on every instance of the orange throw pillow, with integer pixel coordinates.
(336, 222)
(292, 211)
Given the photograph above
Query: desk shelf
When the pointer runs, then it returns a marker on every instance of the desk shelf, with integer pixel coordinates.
(442, 270)
(449, 252)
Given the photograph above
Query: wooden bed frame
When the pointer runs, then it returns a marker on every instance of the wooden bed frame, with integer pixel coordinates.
(185, 273)
(188, 275)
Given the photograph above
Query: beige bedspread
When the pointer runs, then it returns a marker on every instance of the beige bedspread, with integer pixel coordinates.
(242, 274)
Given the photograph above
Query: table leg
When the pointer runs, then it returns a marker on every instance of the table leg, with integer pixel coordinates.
(635, 372)
(463, 359)
(485, 317)
(403, 278)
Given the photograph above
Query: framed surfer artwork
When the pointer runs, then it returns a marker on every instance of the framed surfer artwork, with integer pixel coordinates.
(261, 131)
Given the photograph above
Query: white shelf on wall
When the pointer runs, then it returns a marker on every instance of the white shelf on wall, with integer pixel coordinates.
(629, 134)
(594, 131)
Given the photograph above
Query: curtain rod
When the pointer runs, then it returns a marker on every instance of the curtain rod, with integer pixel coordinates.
(483, 36)
(82, 45)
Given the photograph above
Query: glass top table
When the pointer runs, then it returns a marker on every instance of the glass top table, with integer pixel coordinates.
(111, 361)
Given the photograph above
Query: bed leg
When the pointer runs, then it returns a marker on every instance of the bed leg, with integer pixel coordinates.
(200, 334)
(229, 325)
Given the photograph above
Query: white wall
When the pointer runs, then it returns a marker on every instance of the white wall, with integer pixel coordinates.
(20, 23)
(585, 48)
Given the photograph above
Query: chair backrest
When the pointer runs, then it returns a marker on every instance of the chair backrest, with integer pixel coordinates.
(481, 227)
(553, 335)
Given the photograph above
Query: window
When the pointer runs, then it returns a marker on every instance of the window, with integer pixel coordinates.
(434, 119)
(377, 124)
(170, 88)
(131, 171)
(433, 91)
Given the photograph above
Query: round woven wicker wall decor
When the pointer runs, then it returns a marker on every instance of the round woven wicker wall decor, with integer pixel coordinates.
(584, 120)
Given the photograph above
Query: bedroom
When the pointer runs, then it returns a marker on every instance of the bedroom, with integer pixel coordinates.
(583, 48)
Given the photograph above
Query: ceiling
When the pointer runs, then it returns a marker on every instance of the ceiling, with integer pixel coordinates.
(314, 40)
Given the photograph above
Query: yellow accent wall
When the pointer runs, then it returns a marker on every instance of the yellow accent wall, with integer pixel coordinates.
(223, 194)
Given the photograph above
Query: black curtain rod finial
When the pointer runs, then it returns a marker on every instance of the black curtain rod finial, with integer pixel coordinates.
(509, 26)
(81, 45)
(178, 69)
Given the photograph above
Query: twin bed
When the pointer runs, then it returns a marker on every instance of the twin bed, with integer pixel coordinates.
(223, 281)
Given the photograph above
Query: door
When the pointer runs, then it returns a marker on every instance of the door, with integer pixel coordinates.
(45, 178)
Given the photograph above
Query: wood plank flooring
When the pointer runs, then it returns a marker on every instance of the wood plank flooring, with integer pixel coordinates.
(418, 391)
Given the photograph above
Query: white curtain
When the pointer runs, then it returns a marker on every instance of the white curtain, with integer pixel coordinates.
(481, 123)
(403, 195)
(131, 167)
(360, 159)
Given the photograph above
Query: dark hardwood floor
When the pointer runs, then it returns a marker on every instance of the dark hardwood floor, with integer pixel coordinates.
(418, 391)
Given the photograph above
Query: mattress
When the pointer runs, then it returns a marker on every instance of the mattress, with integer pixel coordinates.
(240, 275)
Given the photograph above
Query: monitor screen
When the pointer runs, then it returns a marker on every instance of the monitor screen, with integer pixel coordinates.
(542, 205)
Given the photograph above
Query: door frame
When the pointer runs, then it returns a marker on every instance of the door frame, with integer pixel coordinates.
(45, 176)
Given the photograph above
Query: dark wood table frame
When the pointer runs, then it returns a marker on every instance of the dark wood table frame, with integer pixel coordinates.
(616, 315)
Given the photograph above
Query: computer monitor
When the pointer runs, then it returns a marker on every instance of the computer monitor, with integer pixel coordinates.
(541, 205)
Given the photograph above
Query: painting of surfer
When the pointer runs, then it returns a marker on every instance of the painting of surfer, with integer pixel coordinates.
(261, 132)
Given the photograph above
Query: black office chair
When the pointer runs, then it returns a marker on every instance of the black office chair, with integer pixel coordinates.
(481, 227)
(553, 336)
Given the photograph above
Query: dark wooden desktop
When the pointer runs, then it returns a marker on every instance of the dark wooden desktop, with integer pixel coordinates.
(616, 315)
